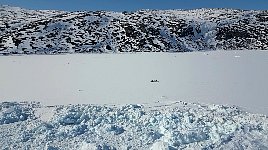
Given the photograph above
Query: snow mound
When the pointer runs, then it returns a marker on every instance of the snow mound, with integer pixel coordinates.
(170, 125)
(13, 112)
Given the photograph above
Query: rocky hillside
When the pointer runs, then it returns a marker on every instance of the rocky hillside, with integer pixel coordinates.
(51, 32)
(158, 126)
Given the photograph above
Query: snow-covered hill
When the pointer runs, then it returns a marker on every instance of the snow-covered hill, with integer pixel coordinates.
(170, 125)
(49, 32)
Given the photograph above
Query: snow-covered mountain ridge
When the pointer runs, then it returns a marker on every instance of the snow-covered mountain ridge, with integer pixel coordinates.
(159, 126)
(48, 32)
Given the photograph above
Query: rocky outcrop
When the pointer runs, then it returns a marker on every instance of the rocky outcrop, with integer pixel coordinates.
(52, 32)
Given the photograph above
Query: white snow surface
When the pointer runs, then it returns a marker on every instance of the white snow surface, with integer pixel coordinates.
(215, 77)
(155, 126)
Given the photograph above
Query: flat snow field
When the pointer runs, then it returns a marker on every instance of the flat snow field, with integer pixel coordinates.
(219, 77)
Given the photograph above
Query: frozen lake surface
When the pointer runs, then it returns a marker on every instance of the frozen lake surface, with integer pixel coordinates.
(218, 77)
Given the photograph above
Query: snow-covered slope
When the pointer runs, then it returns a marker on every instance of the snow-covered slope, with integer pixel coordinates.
(29, 31)
(172, 125)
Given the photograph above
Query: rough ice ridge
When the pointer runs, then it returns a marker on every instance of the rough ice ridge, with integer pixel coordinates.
(170, 125)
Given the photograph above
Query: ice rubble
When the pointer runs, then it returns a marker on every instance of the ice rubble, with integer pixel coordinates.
(170, 125)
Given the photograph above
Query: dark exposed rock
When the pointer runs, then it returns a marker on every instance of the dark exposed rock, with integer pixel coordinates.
(52, 32)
